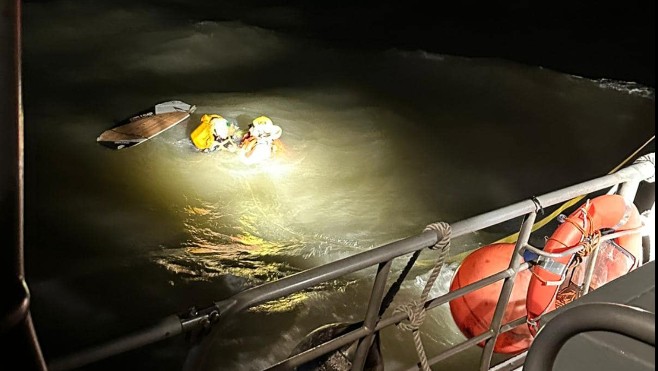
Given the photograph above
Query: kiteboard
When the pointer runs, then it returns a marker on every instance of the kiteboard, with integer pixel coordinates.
(140, 128)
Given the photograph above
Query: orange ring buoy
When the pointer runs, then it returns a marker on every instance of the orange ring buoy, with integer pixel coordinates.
(603, 212)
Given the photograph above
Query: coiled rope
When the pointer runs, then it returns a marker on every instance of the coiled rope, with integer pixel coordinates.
(415, 310)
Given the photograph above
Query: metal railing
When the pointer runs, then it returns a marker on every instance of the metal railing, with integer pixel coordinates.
(382, 257)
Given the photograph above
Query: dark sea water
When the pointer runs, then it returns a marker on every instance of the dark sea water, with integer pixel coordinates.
(379, 143)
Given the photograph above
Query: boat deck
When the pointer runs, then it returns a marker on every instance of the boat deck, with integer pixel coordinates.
(605, 351)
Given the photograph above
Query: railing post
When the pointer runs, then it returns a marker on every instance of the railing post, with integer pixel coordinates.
(372, 314)
(18, 339)
(628, 190)
(505, 293)
(589, 271)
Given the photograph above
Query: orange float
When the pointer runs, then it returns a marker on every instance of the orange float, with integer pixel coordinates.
(474, 311)
(584, 227)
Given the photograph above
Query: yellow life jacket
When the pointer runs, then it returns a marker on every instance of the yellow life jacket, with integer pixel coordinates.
(203, 136)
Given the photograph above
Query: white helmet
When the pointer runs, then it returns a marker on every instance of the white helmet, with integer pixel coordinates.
(220, 126)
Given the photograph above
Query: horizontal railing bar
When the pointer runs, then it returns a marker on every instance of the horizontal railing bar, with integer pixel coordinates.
(473, 341)
(511, 325)
(472, 287)
(540, 252)
(578, 248)
(314, 276)
(452, 295)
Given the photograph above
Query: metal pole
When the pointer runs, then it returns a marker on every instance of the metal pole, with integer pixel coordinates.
(589, 271)
(17, 335)
(628, 190)
(473, 286)
(372, 315)
(398, 317)
(652, 236)
(591, 261)
(506, 291)
(303, 280)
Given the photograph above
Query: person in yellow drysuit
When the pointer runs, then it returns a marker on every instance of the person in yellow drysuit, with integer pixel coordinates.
(215, 132)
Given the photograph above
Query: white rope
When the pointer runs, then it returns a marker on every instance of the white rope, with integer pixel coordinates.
(415, 310)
